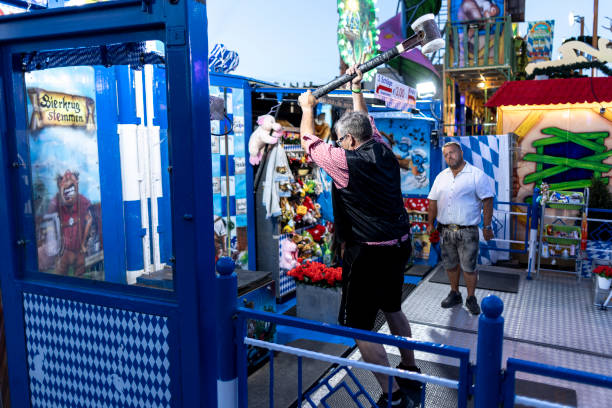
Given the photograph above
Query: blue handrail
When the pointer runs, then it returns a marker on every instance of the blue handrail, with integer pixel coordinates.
(493, 386)
(560, 373)
(605, 210)
(449, 351)
(243, 314)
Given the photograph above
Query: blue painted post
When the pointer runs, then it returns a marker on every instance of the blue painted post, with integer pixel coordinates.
(533, 232)
(489, 355)
(111, 194)
(128, 145)
(165, 206)
(227, 293)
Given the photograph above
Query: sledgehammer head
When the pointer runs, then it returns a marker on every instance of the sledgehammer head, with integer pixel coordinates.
(426, 26)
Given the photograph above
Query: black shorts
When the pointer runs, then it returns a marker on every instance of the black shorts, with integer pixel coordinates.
(372, 280)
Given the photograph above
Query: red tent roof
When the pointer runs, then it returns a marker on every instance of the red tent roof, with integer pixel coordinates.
(553, 91)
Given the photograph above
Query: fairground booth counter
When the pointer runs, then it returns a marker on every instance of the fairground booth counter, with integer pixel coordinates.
(562, 147)
(280, 202)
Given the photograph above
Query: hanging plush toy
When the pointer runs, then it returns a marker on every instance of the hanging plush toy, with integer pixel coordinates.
(268, 132)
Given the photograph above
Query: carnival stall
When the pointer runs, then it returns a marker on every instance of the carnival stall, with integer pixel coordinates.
(562, 140)
(287, 217)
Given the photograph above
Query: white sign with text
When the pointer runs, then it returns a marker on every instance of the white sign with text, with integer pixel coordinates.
(395, 94)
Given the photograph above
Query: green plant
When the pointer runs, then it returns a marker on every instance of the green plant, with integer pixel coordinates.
(599, 195)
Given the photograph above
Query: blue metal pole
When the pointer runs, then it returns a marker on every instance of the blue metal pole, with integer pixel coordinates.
(240, 328)
(111, 194)
(127, 128)
(489, 354)
(160, 106)
(271, 384)
(465, 383)
(509, 391)
(126, 97)
(227, 292)
(533, 231)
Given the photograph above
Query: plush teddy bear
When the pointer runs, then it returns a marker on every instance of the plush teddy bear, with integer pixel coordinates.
(268, 132)
(288, 254)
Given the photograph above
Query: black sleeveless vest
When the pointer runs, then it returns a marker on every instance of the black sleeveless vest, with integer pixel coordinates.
(370, 208)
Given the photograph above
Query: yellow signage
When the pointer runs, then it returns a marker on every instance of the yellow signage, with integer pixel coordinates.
(60, 109)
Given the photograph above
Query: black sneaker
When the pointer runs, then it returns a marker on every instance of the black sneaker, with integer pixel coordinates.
(411, 388)
(399, 400)
(407, 385)
(472, 304)
(453, 299)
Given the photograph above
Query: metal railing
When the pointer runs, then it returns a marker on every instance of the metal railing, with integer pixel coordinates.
(486, 381)
(243, 315)
(479, 43)
(505, 223)
(603, 231)
(514, 365)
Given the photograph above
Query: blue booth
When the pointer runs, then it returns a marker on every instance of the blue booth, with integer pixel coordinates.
(108, 278)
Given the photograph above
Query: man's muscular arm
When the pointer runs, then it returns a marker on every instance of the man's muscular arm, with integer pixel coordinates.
(487, 216)
(307, 127)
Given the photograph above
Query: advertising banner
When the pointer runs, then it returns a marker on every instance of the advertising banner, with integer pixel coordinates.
(540, 40)
(468, 10)
(60, 109)
(411, 145)
(63, 143)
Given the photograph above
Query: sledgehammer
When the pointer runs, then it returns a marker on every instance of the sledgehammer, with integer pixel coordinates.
(426, 34)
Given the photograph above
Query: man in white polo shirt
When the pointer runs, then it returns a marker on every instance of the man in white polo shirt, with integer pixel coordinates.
(457, 197)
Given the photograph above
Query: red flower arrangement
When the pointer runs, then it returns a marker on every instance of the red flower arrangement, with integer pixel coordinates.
(603, 271)
(316, 273)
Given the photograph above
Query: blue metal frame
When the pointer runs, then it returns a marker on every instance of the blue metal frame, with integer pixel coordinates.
(560, 373)
(190, 309)
(513, 222)
(604, 227)
(113, 224)
(233, 81)
(242, 315)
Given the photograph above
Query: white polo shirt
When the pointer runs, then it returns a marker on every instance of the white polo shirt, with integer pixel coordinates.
(459, 198)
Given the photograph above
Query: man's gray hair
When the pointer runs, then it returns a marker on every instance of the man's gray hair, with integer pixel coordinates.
(448, 144)
(356, 123)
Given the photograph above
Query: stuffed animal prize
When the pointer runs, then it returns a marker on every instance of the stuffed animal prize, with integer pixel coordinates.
(268, 132)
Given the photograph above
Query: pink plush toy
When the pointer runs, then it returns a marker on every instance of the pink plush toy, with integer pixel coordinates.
(288, 254)
(268, 132)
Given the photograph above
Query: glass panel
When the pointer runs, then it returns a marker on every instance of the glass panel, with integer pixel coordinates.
(230, 210)
(98, 155)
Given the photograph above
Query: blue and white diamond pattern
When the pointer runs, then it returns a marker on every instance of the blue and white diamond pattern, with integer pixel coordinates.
(483, 152)
(596, 251)
(84, 355)
(286, 284)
